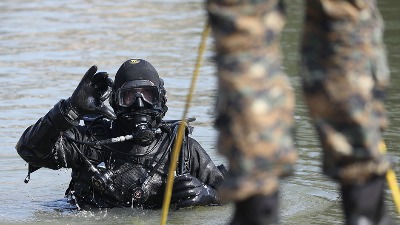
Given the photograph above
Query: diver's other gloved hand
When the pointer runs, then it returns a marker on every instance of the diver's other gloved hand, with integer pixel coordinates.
(190, 191)
(89, 96)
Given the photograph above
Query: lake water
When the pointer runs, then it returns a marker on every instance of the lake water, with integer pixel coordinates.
(45, 48)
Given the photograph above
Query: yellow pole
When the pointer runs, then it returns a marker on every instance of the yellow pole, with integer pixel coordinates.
(181, 130)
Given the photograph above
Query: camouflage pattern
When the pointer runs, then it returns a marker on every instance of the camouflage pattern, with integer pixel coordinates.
(255, 100)
(345, 73)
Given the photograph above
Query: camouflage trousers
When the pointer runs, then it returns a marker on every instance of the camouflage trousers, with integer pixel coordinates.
(344, 70)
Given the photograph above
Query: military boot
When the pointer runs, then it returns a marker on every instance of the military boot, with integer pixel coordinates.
(257, 210)
(364, 204)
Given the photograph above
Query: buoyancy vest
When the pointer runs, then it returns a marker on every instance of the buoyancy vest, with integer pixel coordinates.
(133, 179)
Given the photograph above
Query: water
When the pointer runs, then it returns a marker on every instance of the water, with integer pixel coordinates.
(46, 46)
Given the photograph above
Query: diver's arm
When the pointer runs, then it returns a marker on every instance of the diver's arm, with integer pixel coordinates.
(202, 167)
(42, 144)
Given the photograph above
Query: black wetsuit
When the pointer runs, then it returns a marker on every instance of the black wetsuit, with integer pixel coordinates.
(137, 174)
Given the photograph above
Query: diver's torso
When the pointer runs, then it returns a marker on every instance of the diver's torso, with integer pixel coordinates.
(131, 175)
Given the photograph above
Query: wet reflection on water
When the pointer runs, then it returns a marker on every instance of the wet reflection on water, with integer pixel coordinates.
(46, 46)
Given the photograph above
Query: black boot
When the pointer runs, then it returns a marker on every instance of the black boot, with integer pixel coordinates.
(364, 204)
(257, 210)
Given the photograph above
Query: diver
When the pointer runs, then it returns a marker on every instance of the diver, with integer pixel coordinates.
(120, 157)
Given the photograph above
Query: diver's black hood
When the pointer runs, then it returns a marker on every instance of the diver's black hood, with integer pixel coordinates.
(136, 69)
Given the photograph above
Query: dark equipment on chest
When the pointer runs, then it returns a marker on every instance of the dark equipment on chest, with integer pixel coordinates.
(103, 179)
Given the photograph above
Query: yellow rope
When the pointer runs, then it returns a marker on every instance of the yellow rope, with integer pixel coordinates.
(391, 180)
(179, 139)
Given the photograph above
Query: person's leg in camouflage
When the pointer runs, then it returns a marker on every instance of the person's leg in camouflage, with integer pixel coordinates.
(345, 72)
(255, 105)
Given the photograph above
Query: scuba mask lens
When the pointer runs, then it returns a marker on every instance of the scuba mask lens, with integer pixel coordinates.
(127, 96)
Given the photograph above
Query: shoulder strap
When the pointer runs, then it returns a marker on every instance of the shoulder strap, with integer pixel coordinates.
(184, 157)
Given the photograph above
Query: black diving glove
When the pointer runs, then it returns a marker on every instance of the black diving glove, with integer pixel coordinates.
(89, 96)
(190, 191)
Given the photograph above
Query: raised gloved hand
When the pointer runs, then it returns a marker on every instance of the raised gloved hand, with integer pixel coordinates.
(190, 191)
(89, 96)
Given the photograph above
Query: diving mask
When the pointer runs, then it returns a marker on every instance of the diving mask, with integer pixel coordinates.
(144, 90)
